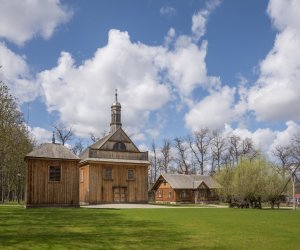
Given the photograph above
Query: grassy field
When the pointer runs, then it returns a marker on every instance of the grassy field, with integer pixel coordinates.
(170, 228)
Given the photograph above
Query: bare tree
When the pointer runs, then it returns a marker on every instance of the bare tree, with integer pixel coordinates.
(217, 145)
(182, 159)
(234, 148)
(283, 154)
(166, 157)
(289, 158)
(200, 147)
(239, 148)
(78, 147)
(63, 134)
(155, 164)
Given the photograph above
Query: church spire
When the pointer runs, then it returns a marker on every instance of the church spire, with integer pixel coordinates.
(115, 114)
(53, 138)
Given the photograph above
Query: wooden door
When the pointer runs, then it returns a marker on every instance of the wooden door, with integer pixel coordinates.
(120, 194)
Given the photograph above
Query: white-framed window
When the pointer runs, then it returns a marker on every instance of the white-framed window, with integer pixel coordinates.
(170, 194)
(54, 173)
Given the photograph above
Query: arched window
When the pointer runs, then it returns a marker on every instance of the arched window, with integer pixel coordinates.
(119, 146)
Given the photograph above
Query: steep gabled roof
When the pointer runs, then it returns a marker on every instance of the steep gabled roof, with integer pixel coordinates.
(118, 135)
(52, 151)
(181, 181)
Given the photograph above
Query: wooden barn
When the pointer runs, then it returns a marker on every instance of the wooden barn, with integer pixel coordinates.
(179, 188)
(51, 177)
(113, 170)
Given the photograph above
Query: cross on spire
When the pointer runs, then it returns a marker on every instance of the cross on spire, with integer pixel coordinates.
(116, 95)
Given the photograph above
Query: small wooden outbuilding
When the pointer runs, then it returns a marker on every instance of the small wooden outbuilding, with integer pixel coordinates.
(51, 177)
(179, 188)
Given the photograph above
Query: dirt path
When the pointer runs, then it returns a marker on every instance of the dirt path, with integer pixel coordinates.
(128, 206)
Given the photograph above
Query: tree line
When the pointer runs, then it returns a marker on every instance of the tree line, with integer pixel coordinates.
(244, 172)
(15, 143)
(203, 152)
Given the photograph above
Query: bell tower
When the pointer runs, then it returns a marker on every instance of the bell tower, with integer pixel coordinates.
(115, 114)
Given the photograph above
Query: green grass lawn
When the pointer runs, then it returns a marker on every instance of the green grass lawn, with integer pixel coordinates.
(169, 228)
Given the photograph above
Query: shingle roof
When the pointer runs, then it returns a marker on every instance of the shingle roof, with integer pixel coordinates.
(180, 181)
(53, 151)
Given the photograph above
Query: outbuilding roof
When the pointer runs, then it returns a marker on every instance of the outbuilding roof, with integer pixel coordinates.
(53, 151)
(181, 181)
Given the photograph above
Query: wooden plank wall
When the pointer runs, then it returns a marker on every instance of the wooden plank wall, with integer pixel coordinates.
(41, 191)
(84, 184)
(119, 155)
(101, 190)
(165, 189)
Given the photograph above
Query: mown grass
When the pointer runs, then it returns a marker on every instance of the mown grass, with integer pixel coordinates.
(169, 228)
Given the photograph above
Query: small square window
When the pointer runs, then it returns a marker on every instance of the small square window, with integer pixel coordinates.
(108, 173)
(130, 174)
(54, 173)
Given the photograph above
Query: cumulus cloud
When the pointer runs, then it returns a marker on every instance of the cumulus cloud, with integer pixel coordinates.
(214, 111)
(276, 95)
(186, 65)
(82, 95)
(16, 74)
(146, 77)
(266, 139)
(22, 20)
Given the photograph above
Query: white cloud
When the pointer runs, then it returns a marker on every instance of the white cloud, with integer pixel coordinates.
(167, 11)
(276, 95)
(266, 139)
(146, 77)
(199, 20)
(284, 137)
(186, 66)
(16, 74)
(22, 20)
(262, 138)
(82, 95)
(41, 135)
(213, 111)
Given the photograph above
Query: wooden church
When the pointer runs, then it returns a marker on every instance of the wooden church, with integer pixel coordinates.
(112, 170)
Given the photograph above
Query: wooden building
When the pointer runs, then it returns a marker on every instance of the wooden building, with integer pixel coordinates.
(113, 170)
(51, 177)
(179, 188)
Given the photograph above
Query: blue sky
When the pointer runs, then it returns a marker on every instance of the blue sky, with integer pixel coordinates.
(178, 65)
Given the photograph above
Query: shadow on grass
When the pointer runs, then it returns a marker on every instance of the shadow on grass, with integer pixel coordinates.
(80, 229)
